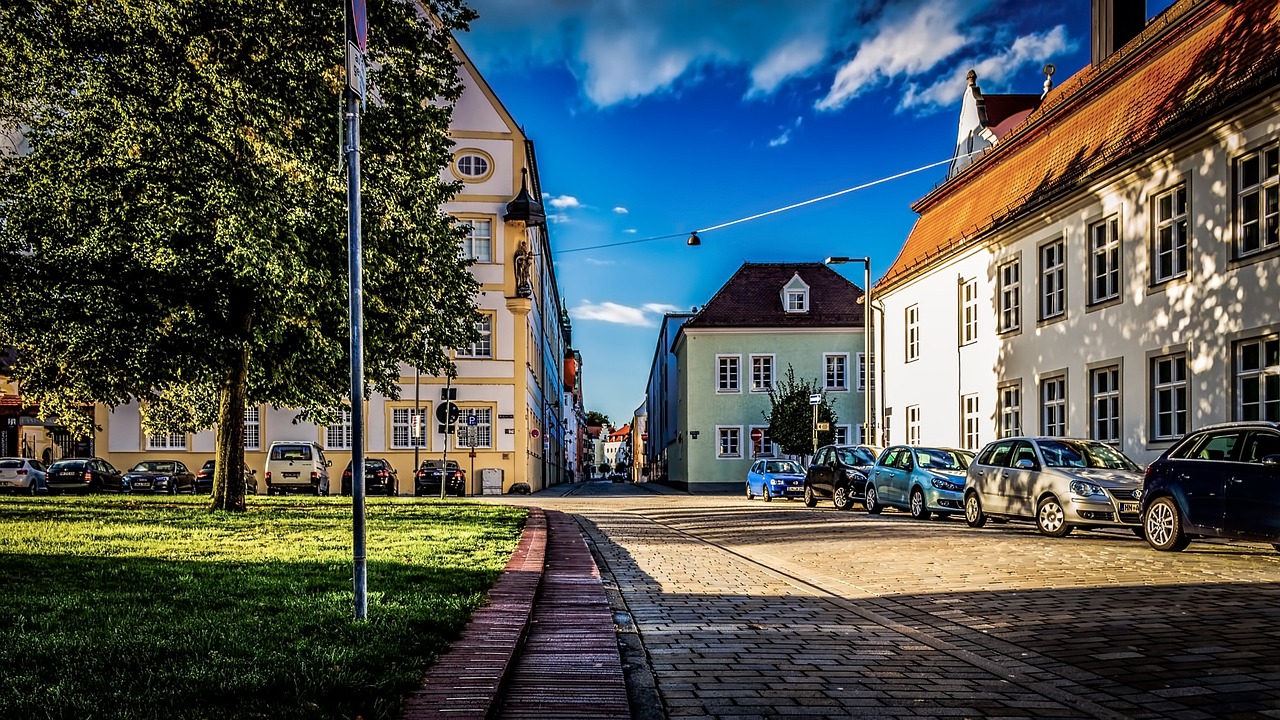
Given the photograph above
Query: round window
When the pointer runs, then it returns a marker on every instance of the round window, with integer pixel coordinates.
(473, 166)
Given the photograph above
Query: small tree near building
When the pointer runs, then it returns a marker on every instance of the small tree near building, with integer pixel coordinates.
(791, 416)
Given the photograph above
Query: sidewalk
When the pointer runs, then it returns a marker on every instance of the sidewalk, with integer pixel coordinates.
(543, 647)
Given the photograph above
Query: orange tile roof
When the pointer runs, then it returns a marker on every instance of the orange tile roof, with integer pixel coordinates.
(1196, 59)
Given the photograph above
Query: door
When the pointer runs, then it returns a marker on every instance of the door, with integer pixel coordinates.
(820, 472)
(1253, 489)
(987, 472)
(1201, 474)
(885, 474)
(1017, 484)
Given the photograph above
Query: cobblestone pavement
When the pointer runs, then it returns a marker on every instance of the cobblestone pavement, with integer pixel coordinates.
(749, 609)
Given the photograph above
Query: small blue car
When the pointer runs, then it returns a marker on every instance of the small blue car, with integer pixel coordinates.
(921, 480)
(771, 477)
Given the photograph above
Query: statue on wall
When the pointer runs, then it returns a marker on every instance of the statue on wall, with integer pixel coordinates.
(523, 263)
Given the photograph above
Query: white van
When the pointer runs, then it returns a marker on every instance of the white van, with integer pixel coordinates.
(297, 466)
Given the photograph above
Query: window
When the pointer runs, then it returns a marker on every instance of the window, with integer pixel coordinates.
(1053, 279)
(730, 442)
(1169, 396)
(842, 435)
(408, 428)
(727, 373)
(478, 243)
(913, 333)
(479, 435)
(765, 446)
(1258, 379)
(1010, 410)
(482, 348)
(1258, 201)
(1053, 406)
(837, 371)
(1010, 275)
(253, 428)
(1170, 247)
(472, 165)
(338, 435)
(969, 311)
(1104, 404)
(170, 441)
(862, 373)
(971, 420)
(797, 301)
(913, 425)
(1104, 260)
(761, 373)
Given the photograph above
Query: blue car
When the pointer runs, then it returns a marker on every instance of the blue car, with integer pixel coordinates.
(770, 478)
(920, 480)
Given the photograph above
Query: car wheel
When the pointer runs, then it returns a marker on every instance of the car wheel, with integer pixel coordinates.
(1276, 546)
(842, 499)
(973, 511)
(750, 495)
(872, 503)
(1051, 518)
(810, 500)
(918, 509)
(766, 495)
(1164, 526)
(173, 488)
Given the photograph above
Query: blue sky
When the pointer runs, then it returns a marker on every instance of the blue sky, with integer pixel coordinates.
(666, 116)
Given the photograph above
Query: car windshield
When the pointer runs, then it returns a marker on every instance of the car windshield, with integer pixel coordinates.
(10, 464)
(1084, 455)
(291, 452)
(782, 466)
(208, 465)
(155, 466)
(855, 456)
(938, 459)
(67, 465)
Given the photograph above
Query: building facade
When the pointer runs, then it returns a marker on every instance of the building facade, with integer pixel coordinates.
(1108, 268)
(662, 398)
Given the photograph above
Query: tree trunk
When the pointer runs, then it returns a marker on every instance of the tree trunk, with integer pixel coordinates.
(229, 468)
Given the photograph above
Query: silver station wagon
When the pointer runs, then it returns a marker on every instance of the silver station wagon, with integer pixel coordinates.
(1061, 484)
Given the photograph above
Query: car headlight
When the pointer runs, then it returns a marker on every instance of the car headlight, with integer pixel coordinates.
(854, 475)
(945, 484)
(162, 479)
(1084, 489)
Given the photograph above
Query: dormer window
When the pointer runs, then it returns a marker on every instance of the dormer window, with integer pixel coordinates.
(795, 296)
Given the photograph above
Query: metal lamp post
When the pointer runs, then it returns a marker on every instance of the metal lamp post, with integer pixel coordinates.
(867, 424)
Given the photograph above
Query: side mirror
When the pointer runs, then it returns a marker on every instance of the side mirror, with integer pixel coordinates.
(1025, 464)
(1271, 461)
(328, 463)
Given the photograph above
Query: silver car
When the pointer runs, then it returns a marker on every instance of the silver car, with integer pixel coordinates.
(22, 475)
(1061, 484)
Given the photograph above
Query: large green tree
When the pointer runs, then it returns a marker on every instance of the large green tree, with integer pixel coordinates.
(175, 235)
(595, 417)
(790, 415)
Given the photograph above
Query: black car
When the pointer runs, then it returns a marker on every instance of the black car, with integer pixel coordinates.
(159, 476)
(379, 478)
(1219, 481)
(839, 472)
(426, 481)
(83, 475)
(204, 479)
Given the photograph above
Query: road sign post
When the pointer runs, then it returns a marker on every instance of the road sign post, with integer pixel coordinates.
(815, 400)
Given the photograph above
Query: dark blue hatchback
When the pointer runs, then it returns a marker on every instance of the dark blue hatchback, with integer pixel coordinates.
(1219, 481)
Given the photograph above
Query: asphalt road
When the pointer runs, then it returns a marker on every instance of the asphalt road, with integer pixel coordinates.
(729, 608)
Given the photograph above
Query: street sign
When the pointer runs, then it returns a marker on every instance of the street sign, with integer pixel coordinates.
(756, 435)
(448, 413)
(823, 427)
(359, 19)
(473, 420)
(356, 70)
(815, 399)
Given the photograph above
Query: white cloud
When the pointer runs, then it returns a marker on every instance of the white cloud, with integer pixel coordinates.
(564, 202)
(785, 137)
(630, 231)
(621, 210)
(619, 314)
(598, 261)
(558, 218)
(659, 308)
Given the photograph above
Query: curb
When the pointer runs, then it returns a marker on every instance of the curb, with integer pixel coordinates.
(465, 683)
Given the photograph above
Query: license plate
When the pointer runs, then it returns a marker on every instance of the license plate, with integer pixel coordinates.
(795, 489)
(289, 474)
(142, 483)
(1128, 507)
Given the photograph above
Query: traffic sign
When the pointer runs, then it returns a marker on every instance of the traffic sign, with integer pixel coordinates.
(473, 420)
(448, 413)
(757, 435)
(815, 399)
(823, 427)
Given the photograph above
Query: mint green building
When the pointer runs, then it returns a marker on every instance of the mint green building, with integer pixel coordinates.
(767, 317)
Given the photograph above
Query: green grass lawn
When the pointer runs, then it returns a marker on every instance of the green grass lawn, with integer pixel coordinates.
(142, 607)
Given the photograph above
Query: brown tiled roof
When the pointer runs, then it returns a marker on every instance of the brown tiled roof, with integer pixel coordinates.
(1197, 59)
(753, 298)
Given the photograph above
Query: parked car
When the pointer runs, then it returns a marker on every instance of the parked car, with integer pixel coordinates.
(204, 479)
(159, 476)
(84, 475)
(921, 480)
(297, 466)
(23, 475)
(1219, 481)
(839, 472)
(1059, 483)
(379, 478)
(426, 481)
(771, 477)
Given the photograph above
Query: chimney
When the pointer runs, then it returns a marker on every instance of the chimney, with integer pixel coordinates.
(1116, 22)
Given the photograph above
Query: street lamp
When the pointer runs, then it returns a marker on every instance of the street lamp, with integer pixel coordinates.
(867, 424)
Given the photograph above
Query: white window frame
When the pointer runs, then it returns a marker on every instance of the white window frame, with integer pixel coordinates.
(766, 447)
(1104, 260)
(483, 348)
(1165, 399)
(338, 435)
(1104, 404)
(1259, 374)
(168, 441)
(728, 373)
(797, 300)
(733, 434)
(484, 425)
(843, 432)
(253, 427)
(1009, 396)
(913, 425)
(471, 244)
(760, 383)
(835, 379)
(1053, 405)
(971, 420)
(1261, 194)
(913, 333)
(1053, 279)
(402, 427)
(862, 372)
(969, 311)
(1010, 276)
(1170, 238)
